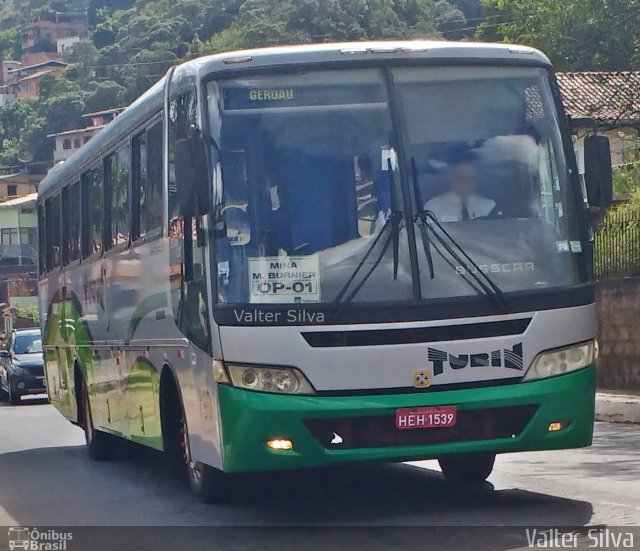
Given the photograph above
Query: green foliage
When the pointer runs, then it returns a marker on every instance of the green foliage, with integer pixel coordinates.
(134, 42)
(106, 95)
(617, 250)
(576, 34)
(267, 22)
(10, 43)
(29, 312)
(626, 180)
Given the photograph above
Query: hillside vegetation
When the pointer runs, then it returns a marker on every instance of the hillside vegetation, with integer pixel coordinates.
(132, 43)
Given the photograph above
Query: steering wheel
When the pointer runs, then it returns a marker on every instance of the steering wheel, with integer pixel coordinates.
(495, 214)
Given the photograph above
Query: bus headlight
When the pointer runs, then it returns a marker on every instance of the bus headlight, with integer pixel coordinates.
(278, 380)
(561, 361)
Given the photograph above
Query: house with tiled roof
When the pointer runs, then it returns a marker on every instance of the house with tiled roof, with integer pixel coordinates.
(612, 99)
(24, 81)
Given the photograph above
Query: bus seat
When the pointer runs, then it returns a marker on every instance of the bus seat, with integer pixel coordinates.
(317, 191)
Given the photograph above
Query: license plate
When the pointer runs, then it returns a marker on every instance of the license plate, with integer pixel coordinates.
(426, 418)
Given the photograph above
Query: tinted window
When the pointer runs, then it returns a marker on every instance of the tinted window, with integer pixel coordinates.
(182, 118)
(53, 232)
(139, 186)
(92, 219)
(71, 223)
(155, 203)
(42, 249)
(117, 173)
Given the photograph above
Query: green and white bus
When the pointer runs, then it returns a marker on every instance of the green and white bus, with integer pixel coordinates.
(301, 256)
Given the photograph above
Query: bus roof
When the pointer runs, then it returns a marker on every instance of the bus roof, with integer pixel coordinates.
(332, 53)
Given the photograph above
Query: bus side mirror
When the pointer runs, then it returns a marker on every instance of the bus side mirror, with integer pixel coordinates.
(192, 176)
(598, 172)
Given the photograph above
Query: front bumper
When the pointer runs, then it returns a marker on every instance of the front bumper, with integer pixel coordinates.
(27, 384)
(249, 419)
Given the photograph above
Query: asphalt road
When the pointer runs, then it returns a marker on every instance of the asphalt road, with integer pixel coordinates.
(47, 479)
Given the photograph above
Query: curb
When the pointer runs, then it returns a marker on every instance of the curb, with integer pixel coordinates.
(617, 408)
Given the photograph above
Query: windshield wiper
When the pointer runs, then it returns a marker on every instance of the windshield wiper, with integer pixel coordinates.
(392, 223)
(485, 283)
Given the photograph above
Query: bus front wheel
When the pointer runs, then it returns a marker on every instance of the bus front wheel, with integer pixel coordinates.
(472, 468)
(210, 485)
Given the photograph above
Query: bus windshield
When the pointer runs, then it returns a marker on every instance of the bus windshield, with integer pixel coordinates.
(310, 202)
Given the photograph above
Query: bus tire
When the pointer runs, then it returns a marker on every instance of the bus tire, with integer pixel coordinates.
(100, 445)
(471, 468)
(210, 485)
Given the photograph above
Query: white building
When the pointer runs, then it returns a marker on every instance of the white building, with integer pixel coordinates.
(67, 143)
(63, 44)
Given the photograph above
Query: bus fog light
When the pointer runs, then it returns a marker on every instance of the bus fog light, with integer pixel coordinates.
(560, 361)
(280, 444)
(557, 425)
(277, 380)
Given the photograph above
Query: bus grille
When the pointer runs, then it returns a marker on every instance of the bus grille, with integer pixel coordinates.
(381, 431)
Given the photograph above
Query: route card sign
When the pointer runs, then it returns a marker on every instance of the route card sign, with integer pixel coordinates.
(284, 280)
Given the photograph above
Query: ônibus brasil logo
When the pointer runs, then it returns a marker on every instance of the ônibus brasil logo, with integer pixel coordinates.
(34, 539)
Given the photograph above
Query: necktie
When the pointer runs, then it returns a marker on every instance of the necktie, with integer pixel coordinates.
(465, 212)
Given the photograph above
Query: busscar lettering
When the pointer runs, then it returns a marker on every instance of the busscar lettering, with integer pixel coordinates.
(508, 268)
(271, 95)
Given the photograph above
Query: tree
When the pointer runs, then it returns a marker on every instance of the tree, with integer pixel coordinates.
(10, 44)
(576, 34)
(106, 95)
(134, 42)
(13, 121)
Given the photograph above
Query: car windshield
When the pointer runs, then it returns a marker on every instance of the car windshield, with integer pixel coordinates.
(311, 175)
(27, 344)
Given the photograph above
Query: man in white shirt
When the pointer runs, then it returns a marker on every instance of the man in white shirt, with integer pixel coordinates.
(461, 202)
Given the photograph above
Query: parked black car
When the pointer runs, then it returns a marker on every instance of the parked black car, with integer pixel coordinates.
(22, 365)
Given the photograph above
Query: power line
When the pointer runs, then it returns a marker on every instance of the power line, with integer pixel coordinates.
(24, 165)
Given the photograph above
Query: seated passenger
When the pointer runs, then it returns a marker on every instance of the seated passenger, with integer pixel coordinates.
(461, 202)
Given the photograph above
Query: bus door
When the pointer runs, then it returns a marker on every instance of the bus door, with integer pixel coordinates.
(189, 276)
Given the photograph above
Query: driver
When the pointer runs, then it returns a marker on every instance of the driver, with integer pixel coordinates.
(461, 202)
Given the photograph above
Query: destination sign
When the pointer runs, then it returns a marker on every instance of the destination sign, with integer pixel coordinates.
(240, 98)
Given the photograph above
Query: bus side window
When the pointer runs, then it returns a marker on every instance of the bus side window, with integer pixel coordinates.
(42, 247)
(139, 186)
(71, 223)
(52, 216)
(116, 173)
(146, 182)
(155, 202)
(182, 119)
(91, 190)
